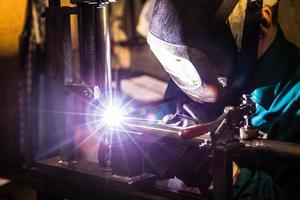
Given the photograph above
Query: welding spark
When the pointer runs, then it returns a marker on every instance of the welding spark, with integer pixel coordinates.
(113, 116)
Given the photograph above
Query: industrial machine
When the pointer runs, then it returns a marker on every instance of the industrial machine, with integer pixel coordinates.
(68, 177)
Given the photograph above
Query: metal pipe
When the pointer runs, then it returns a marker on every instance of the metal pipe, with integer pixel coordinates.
(284, 149)
(65, 65)
(173, 134)
(103, 49)
(103, 73)
(162, 132)
(58, 44)
(86, 29)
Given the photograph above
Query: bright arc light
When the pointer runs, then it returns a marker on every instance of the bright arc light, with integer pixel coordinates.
(113, 116)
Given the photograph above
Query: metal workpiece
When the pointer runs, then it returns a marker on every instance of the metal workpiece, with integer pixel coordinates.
(222, 160)
(103, 50)
(58, 42)
(248, 132)
(87, 41)
(94, 55)
(59, 63)
(222, 172)
(98, 3)
(221, 130)
(278, 148)
(105, 153)
(103, 73)
(161, 132)
(172, 134)
(95, 48)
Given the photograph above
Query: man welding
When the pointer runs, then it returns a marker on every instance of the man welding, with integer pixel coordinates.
(215, 51)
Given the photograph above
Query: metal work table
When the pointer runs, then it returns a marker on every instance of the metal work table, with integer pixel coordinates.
(86, 180)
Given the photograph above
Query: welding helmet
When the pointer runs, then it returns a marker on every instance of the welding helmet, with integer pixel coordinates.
(209, 48)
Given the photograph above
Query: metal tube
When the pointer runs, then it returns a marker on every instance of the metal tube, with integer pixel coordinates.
(222, 175)
(283, 149)
(86, 29)
(277, 148)
(66, 45)
(103, 73)
(162, 132)
(65, 62)
(103, 48)
(58, 44)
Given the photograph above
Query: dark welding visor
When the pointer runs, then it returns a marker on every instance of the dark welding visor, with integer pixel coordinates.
(199, 43)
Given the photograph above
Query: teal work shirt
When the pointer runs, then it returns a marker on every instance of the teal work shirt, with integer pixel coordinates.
(277, 95)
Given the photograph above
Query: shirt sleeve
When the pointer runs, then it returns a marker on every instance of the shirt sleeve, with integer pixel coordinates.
(259, 185)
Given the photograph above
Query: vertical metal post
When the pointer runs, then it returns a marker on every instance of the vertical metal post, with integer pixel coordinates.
(51, 26)
(104, 76)
(60, 66)
(222, 169)
(65, 62)
(86, 29)
(222, 174)
(103, 48)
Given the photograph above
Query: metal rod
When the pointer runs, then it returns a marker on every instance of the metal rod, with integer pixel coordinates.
(86, 29)
(284, 149)
(161, 131)
(103, 48)
(222, 175)
(65, 62)
(66, 45)
(277, 148)
(58, 44)
(103, 72)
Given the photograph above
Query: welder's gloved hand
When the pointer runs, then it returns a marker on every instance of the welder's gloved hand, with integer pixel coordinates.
(194, 168)
(180, 120)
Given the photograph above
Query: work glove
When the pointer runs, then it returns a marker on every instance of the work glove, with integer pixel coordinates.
(193, 166)
(179, 120)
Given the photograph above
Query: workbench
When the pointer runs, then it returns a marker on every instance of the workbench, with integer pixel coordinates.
(55, 180)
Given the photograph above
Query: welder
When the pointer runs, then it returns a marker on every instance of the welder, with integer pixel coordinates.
(214, 51)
